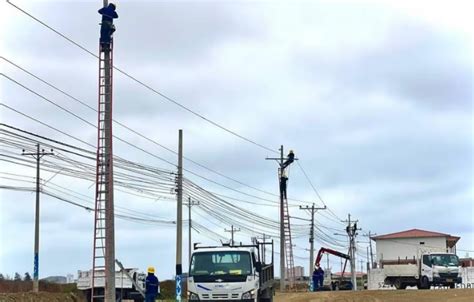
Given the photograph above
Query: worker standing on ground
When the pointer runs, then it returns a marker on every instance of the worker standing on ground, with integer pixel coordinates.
(152, 286)
(320, 273)
(315, 279)
(107, 26)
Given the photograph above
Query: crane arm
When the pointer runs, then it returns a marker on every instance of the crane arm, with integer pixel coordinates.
(332, 252)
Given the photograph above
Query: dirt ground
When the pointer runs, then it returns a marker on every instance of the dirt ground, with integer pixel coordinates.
(38, 297)
(453, 295)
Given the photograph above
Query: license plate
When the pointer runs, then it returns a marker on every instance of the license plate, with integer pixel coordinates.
(449, 280)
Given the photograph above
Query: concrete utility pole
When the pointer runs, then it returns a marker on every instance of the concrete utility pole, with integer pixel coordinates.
(264, 238)
(372, 264)
(313, 211)
(351, 230)
(280, 161)
(327, 260)
(368, 264)
(190, 204)
(37, 155)
(179, 219)
(232, 231)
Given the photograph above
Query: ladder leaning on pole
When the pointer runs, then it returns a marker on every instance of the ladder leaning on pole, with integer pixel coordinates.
(290, 264)
(104, 175)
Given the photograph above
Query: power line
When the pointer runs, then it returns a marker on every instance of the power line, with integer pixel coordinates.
(132, 130)
(144, 84)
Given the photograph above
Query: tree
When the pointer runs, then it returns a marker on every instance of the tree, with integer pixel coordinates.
(27, 277)
(2, 277)
(17, 277)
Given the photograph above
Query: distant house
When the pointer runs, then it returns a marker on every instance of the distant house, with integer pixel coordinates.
(299, 272)
(55, 279)
(407, 244)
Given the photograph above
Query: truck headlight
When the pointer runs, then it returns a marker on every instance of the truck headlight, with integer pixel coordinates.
(248, 295)
(193, 297)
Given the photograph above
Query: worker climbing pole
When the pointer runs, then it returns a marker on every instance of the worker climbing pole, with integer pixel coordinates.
(286, 245)
(103, 268)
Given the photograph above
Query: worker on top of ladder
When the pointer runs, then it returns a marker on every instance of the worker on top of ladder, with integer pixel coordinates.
(283, 184)
(290, 159)
(107, 27)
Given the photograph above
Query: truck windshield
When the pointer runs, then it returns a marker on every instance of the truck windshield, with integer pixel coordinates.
(445, 260)
(225, 265)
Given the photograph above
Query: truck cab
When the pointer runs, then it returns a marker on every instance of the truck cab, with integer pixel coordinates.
(440, 269)
(229, 273)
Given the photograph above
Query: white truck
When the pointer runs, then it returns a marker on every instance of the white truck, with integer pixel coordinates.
(231, 273)
(430, 269)
(124, 287)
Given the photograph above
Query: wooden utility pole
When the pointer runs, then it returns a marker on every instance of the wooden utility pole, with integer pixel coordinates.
(179, 219)
(190, 204)
(313, 211)
(37, 155)
(232, 231)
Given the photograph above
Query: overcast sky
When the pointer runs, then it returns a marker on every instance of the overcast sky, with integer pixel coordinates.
(375, 97)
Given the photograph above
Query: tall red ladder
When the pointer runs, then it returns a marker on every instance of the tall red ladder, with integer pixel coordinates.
(104, 177)
(290, 263)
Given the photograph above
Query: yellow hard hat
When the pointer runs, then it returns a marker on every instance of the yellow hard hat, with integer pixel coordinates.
(151, 269)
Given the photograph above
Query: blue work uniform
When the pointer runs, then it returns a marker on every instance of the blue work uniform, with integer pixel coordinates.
(107, 26)
(320, 276)
(315, 280)
(152, 286)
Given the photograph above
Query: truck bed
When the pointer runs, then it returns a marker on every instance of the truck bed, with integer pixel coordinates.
(401, 270)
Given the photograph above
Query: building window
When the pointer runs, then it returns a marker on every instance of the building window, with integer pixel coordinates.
(422, 242)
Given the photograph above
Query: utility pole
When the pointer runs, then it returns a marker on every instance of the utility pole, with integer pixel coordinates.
(264, 238)
(232, 231)
(351, 230)
(190, 204)
(179, 219)
(282, 184)
(372, 264)
(313, 211)
(368, 264)
(327, 259)
(103, 252)
(37, 155)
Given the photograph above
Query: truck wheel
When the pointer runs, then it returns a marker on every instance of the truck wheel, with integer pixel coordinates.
(452, 285)
(398, 284)
(424, 283)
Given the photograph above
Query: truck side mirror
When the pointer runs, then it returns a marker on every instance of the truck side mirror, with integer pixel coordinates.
(258, 266)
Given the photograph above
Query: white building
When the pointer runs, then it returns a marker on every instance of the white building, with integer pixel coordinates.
(407, 244)
(299, 272)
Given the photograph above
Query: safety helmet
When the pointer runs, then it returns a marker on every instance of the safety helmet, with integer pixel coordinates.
(151, 269)
(291, 151)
